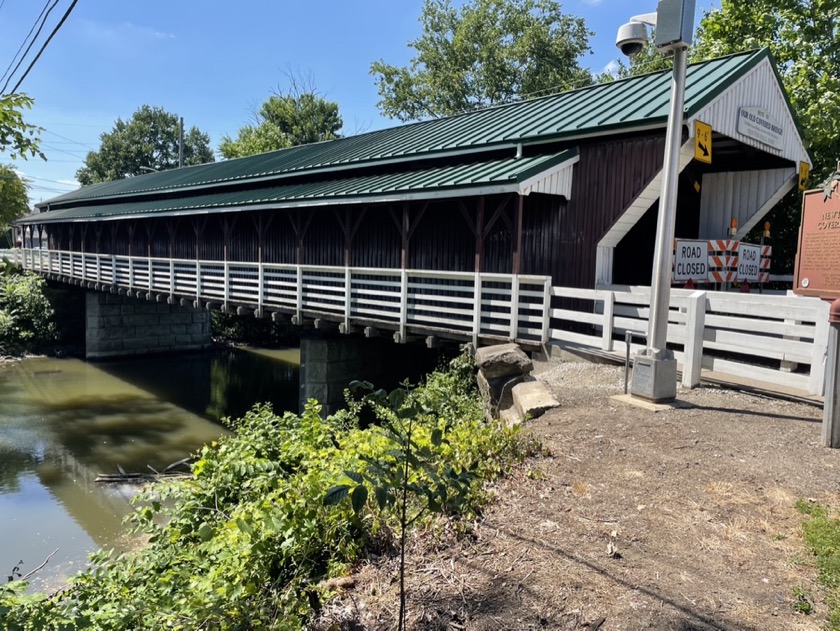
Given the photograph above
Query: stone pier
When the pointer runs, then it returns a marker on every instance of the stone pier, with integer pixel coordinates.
(117, 326)
(329, 363)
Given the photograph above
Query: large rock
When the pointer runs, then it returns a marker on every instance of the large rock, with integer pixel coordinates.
(502, 360)
(532, 398)
(497, 393)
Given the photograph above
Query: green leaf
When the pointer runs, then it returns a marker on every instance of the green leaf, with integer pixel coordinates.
(356, 477)
(437, 437)
(382, 496)
(359, 497)
(205, 532)
(334, 495)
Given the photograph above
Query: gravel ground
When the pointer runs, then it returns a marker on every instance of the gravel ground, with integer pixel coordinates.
(678, 520)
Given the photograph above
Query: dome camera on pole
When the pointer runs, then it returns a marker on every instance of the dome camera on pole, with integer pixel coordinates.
(632, 38)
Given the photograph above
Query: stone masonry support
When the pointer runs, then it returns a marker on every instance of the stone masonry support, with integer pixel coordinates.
(117, 326)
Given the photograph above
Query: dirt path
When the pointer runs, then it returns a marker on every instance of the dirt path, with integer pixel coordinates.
(680, 520)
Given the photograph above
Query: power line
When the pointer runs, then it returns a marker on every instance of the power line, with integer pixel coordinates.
(72, 155)
(25, 39)
(75, 142)
(49, 39)
(32, 41)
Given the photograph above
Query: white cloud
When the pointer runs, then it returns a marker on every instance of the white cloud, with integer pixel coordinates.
(593, 3)
(125, 34)
(612, 67)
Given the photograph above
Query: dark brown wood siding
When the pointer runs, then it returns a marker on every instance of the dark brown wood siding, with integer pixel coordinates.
(609, 175)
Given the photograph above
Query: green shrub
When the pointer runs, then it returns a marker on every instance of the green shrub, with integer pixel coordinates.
(244, 543)
(26, 317)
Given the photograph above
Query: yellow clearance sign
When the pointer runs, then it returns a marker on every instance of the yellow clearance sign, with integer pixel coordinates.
(702, 142)
(804, 174)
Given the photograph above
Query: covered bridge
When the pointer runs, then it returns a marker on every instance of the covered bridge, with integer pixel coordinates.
(565, 186)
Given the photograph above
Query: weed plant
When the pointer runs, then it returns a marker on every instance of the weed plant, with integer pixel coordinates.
(822, 534)
(248, 540)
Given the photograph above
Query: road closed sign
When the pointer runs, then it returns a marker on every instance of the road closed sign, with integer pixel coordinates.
(691, 261)
(749, 263)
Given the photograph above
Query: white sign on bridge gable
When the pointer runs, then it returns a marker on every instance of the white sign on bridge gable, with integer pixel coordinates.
(749, 262)
(691, 261)
(759, 124)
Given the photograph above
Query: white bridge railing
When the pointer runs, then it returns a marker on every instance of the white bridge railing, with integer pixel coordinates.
(772, 339)
(465, 305)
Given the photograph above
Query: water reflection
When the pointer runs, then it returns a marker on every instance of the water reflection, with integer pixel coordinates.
(64, 421)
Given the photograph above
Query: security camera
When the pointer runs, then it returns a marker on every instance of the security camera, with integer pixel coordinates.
(631, 38)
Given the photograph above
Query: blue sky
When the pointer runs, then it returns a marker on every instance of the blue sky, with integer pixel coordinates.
(214, 62)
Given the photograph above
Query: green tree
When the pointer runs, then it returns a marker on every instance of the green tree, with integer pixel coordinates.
(148, 140)
(298, 116)
(483, 53)
(14, 201)
(17, 137)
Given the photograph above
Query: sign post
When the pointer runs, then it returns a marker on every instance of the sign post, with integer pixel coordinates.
(817, 273)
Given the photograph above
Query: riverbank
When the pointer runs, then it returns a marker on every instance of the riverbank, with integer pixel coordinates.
(680, 520)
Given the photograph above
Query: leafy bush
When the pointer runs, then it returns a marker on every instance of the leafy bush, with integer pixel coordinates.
(246, 541)
(26, 317)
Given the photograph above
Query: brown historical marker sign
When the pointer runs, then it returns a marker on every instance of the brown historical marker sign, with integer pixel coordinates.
(818, 255)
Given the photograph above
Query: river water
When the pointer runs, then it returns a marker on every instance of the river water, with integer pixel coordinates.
(63, 421)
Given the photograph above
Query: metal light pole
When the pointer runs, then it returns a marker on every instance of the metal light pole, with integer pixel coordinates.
(655, 369)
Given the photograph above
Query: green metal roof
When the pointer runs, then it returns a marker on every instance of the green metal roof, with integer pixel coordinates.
(495, 176)
(626, 105)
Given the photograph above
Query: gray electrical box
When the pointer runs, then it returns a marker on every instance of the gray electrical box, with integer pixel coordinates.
(674, 24)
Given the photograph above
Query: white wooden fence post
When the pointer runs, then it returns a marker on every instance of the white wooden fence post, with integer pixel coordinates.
(260, 288)
(171, 280)
(695, 327)
(401, 334)
(348, 302)
(226, 285)
(299, 297)
(546, 314)
(819, 351)
(476, 327)
(198, 283)
(514, 307)
(607, 327)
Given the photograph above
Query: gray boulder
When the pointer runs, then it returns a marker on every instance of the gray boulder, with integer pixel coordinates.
(502, 360)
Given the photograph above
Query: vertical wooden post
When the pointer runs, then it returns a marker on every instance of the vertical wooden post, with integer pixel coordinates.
(831, 405)
(131, 228)
(400, 336)
(172, 230)
(819, 350)
(479, 235)
(607, 326)
(404, 233)
(517, 237)
(695, 327)
(546, 315)
(514, 307)
(198, 229)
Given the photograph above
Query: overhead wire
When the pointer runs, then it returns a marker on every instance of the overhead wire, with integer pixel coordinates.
(25, 39)
(46, 43)
(43, 17)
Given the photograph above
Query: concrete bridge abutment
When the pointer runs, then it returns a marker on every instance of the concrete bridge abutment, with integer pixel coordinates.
(118, 326)
(329, 363)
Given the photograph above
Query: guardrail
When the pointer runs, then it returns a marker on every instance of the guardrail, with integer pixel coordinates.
(456, 304)
(766, 338)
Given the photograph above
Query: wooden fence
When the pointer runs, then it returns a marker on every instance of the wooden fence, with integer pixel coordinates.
(779, 340)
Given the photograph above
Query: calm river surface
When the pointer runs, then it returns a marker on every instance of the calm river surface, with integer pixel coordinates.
(63, 421)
